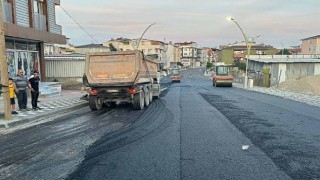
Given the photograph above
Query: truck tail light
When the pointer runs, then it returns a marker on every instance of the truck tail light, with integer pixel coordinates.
(132, 91)
(94, 92)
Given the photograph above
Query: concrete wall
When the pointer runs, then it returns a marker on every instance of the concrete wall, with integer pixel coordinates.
(316, 69)
(299, 70)
(280, 72)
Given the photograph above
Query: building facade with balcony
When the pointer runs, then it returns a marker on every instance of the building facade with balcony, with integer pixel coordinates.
(188, 53)
(311, 45)
(154, 48)
(238, 51)
(58, 49)
(28, 24)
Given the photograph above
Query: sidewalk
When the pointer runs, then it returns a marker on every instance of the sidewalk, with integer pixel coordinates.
(313, 100)
(310, 99)
(69, 99)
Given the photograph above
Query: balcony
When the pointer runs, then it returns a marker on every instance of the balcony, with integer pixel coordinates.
(40, 22)
(58, 29)
(239, 56)
(7, 12)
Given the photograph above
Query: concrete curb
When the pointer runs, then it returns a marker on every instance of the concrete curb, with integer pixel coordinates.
(42, 116)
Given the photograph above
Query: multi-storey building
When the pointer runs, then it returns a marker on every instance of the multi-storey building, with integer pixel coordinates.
(311, 45)
(238, 51)
(188, 51)
(121, 44)
(154, 48)
(58, 49)
(28, 24)
(91, 48)
(172, 55)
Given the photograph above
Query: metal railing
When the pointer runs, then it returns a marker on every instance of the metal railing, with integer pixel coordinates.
(258, 79)
(57, 2)
(58, 29)
(7, 12)
(40, 22)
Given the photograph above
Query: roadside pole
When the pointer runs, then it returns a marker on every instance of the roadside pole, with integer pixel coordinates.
(4, 71)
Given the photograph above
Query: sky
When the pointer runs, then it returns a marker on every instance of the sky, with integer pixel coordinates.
(280, 23)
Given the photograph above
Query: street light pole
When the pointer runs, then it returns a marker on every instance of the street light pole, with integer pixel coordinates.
(248, 52)
(144, 33)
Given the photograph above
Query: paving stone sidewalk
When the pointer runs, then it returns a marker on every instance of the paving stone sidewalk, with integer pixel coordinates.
(300, 97)
(310, 99)
(49, 106)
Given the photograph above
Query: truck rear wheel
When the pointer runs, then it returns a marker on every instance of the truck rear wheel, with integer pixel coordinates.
(150, 96)
(146, 98)
(138, 101)
(157, 96)
(94, 104)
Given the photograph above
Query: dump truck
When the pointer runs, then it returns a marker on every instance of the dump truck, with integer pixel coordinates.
(222, 77)
(121, 76)
(176, 75)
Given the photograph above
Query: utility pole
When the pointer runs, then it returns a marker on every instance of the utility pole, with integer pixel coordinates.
(4, 71)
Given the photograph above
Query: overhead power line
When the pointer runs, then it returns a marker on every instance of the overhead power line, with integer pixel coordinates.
(79, 24)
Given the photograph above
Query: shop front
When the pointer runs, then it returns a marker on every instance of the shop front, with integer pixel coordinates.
(22, 54)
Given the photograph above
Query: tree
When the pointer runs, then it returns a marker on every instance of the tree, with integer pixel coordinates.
(284, 52)
(209, 65)
(179, 64)
(239, 64)
(112, 48)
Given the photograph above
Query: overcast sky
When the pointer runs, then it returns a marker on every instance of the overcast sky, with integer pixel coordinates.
(281, 23)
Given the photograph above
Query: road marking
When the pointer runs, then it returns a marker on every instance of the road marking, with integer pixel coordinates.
(164, 88)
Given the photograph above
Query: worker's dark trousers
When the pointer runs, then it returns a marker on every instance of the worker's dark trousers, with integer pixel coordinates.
(22, 99)
(34, 99)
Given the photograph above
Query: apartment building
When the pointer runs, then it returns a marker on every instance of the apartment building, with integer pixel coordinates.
(154, 48)
(172, 55)
(311, 45)
(28, 24)
(188, 52)
(238, 51)
(212, 54)
(58, 49)
(121, 44)
(91, 48)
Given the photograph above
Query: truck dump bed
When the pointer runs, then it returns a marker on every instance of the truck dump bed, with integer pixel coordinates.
(120, 68)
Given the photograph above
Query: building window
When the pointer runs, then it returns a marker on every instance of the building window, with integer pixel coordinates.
(21, 45)
(9, 44)
(32, 47)
(38, 6)
(7, 9)
(39, 15)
